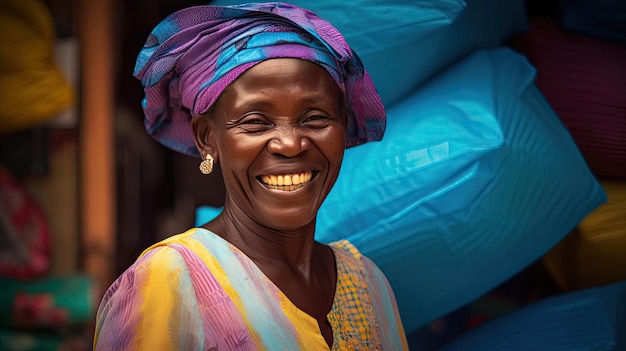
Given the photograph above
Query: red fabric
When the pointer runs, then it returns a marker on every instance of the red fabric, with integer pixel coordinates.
(24, 235)
(584, 79)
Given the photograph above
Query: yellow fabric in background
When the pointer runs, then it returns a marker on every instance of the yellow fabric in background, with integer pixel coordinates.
(32, 87)
(594, 254)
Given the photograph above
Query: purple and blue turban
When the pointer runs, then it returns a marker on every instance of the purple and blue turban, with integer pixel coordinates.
(194, 54)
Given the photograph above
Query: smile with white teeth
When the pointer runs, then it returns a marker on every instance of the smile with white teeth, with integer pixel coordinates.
(287, 182)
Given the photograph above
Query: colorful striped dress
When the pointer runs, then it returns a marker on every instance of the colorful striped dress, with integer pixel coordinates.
(196, 291)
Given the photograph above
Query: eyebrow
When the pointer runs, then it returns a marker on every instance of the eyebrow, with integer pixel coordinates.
(249, 103)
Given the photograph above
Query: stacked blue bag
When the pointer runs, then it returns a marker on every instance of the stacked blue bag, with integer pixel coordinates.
(404, 42)
(592, 319)
(475, 178)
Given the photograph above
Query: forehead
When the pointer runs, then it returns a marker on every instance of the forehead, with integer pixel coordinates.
(284, 76)
(278, 67)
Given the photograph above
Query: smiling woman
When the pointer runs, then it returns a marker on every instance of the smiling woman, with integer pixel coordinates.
(274, 95)
(279, 119)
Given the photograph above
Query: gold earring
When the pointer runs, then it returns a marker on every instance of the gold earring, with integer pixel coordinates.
(206, 166)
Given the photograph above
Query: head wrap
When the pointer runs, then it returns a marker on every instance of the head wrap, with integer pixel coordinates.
(194, 54)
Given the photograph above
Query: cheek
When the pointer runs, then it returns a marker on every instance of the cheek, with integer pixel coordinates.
(236, 153)
(339, 138)
(334, 146)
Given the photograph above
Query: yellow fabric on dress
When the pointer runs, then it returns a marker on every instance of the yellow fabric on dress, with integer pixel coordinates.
(195, 291)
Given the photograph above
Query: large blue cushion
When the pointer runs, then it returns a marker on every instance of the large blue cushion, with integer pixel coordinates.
(403, 42)
(475, 178)
(592, 319)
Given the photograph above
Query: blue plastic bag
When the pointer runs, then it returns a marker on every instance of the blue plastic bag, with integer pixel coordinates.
(475, 178)
(404, 42)
(592, 319)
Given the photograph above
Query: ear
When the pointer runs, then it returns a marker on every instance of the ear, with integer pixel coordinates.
(202, 127)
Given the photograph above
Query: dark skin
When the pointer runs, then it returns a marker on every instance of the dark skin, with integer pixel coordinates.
(283, 117)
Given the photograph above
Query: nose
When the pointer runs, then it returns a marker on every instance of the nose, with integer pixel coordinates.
(288, 142)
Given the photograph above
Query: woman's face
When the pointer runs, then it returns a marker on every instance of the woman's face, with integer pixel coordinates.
(278, 132)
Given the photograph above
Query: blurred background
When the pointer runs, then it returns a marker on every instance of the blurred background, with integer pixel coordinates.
(84, 189)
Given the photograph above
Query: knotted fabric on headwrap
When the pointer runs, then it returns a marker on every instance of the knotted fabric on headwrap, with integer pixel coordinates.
(194, 54)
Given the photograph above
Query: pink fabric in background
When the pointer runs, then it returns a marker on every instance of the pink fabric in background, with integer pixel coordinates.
(584, 79)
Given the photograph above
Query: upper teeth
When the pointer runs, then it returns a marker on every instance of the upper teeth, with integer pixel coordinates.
(287, 179)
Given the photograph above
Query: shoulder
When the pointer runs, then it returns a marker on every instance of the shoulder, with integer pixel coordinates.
(186, 238)
(346, 251)
(162, 272)
(344, 246)
(358, 266)
(151, 266)
(381, 296)
(139, 306)
(350, 259)
(169, 258)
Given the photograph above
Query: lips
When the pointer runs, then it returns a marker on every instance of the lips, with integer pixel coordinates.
(287, 182)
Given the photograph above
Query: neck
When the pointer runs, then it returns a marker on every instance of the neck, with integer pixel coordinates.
(302, 269)
(291, 247)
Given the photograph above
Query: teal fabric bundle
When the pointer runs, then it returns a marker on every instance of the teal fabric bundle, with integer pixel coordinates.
(475, 178)
(591, 319)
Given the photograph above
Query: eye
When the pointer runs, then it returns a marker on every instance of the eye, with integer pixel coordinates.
(254, 123)
(317, 120)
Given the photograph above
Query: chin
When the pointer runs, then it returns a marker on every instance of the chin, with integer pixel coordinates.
(289, 219)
